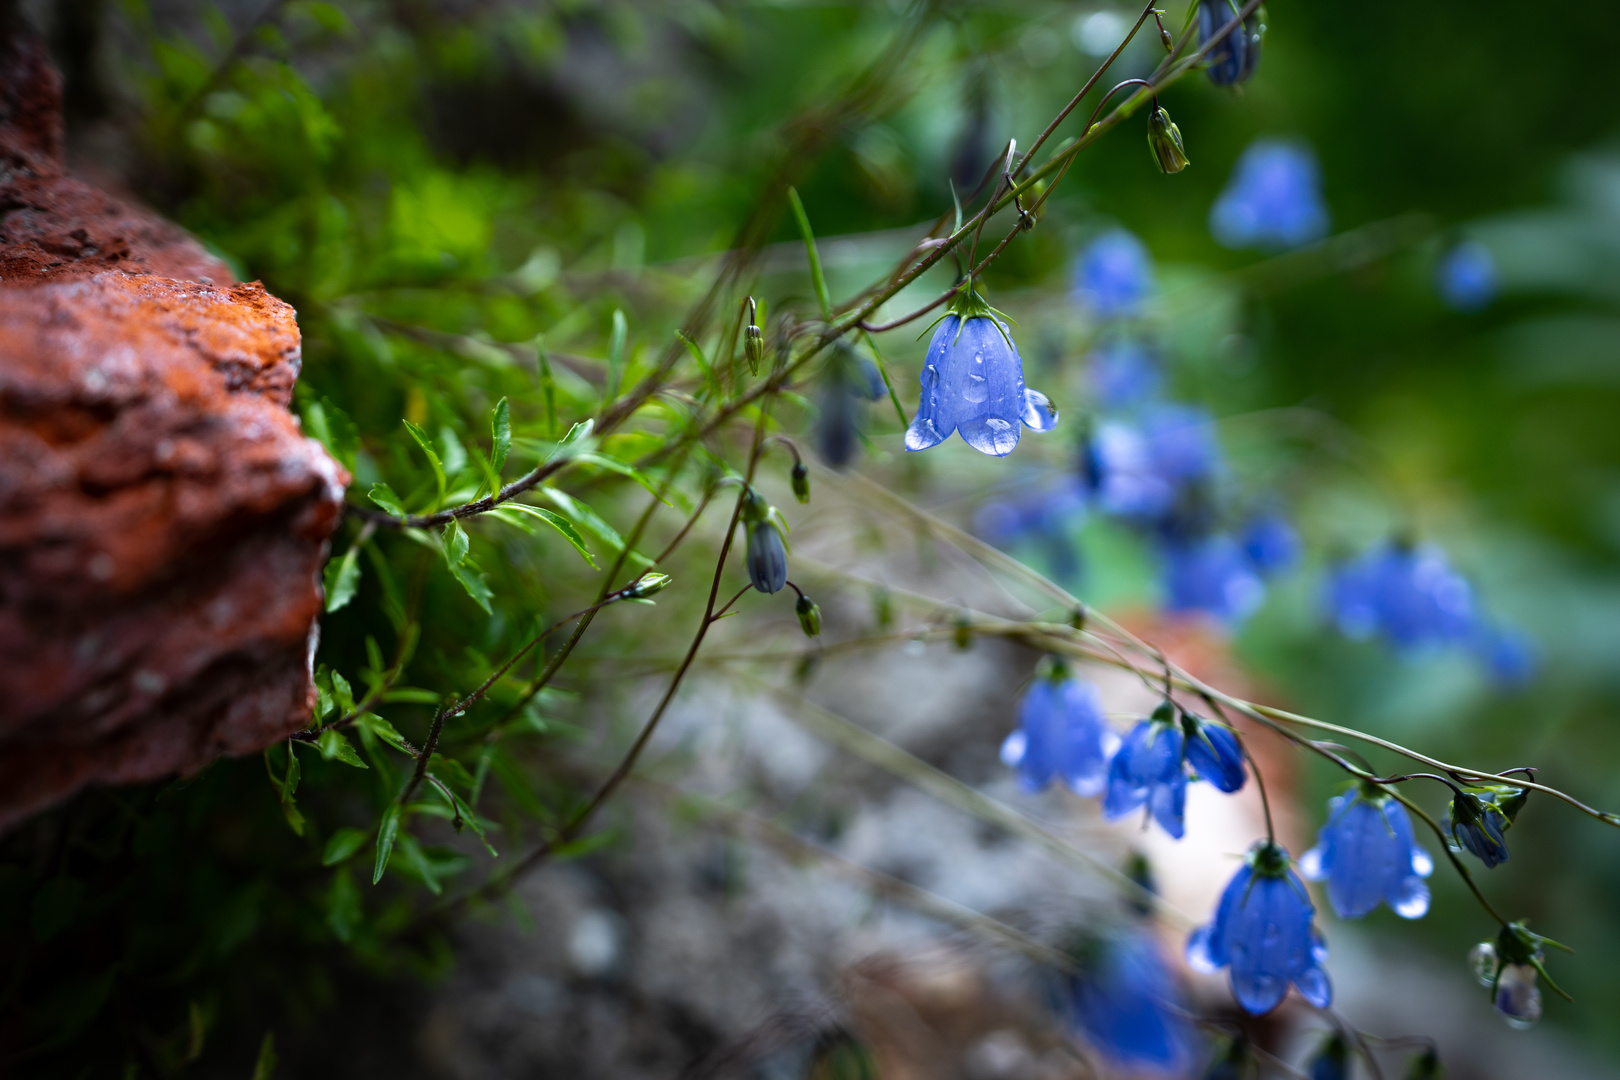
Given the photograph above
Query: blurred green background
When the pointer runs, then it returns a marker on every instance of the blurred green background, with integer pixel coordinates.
(430, 181)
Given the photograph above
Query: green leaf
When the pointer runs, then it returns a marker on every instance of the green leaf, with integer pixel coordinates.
(464, 569)
(467, 815)
(264, 1068)
(386, 834)
(500, 435)
(615, 465)
(816, 276)
(342, 844)
(343, 905)
(456, 543)
(433, 458)
(417, 860)
(616, 353)
(413, 695)
(342, 693)
(342, 579)
(328, 16)
(576, 435)
(451, 450)
(384, 496)
(561, 524)
(697, 354)
(334, 747)
(386, 731)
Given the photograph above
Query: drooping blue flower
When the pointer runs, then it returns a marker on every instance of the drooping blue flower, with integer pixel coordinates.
(1118, 470)
(1332, 1059)
(1466, 276)
(1213, 575)
(1509, 967)
(767, 557)
(973, 382)
(1061, 736)
(1273, 200)
(1113, 276)
(1367, 856)
(850, 378)
(1127, 1004)
(1236, 56)
(1182, 442)
(1410, 595)
(1145, 473)
(1271, 543)
(1262, 932)
(1123, 374)
(1151, 767)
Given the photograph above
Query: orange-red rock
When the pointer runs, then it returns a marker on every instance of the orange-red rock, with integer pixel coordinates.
(163, 521)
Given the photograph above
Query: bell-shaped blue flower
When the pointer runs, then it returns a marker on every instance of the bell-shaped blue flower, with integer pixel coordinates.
(1273, 200)
(1271, 543)
(1213, 575)
(1263, 933)
(767, 557)
(1235, 57)
(1113, 276)
(1367, 856)
(1061, 736)
(1408, 594)
(849, 379)
(1126, 1004)
(973, 382)
(1150, 768)
(1466, 276)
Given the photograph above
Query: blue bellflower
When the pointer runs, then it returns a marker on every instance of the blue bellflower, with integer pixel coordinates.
(973, 382)
(1061, 736)
(1126, 1003)
(1113, 276)
(1262, 932)
(1143, 472)
(1410, 595)
(1151, 766)
(1478, 825)
(1211, 574)
(1466, 277)
(1271, 543)
(849, 379)
(1506, 653)
(767, 557)
(1045, 517)
(1236, 56)
(1123, 374)
(1367, 856)
(1273, 199)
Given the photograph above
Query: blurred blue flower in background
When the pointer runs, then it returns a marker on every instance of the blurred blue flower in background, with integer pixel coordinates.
(1408, 594)
(1506, 654)
(1367, 856)
(1271, 543)
(1126, 1004)
(1273, 199)
(1211, 574)
(1123, 374)
(1466, 276)
(851, 377)
(1262, 931)
(1061, 736)
(1045, 517)
(1114, 275)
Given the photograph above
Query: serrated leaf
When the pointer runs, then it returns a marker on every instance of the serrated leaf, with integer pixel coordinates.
(501, 435)
(384, 496)
(342, 693)
(573, 440)
(433, 458)
(476, 585)
(335, 747)
(387, 832)
(386, 731)
(342, 579)
(342, 844)
(563, 527)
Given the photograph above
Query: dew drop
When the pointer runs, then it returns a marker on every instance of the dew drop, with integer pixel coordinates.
(977, 388)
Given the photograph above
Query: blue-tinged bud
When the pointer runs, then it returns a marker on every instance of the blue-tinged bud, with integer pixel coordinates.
(1478, 825)
(1426, 1066)
(646, 586)
(800, 480)
(1332, 1060)
(767, 557)
(1508, 967)
(1231, 1063)
(809, 616)
(1164, 139)
(1517, 996)
(1214, 753)
(1237, 55)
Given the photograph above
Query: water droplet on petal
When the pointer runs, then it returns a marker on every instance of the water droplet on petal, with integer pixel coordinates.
(977, 388)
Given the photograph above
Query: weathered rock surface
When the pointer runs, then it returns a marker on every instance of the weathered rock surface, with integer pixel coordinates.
(163, 521)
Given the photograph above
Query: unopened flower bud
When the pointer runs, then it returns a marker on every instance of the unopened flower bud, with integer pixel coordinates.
(1169, 43)
(1426, 1066)
(800, 480)
(767, 557)
(1164, 139)
(753, 346)
(809, 616)
(646, 586)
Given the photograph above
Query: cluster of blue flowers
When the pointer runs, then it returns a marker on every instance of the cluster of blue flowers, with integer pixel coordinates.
(1409, 595)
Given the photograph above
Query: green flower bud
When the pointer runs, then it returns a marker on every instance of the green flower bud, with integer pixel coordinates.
(1164, 139)
(809, 616)
(753, 346)
(755, 508)
(646, 586)
(801, 482)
